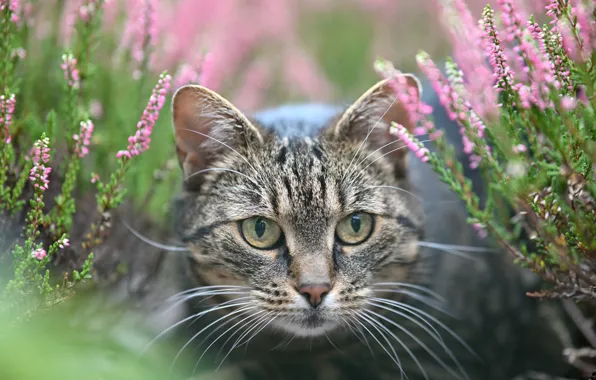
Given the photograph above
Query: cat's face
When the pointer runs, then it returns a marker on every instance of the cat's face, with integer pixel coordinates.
(307, 224)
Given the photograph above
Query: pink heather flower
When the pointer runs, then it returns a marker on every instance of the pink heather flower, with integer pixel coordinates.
(206, 70)
(409, 98)
(63, 242)
(186, 75)
(457, 107)
(480, 230)
(39, 254)
(140, 34)
(554, 9)
(502, 72)
(14, 6)
(416, 147)
(94, 177)
(139, 142)
(71, 73)
(83, 139)
(7, 106)
(39, 172)
(95, 109)
(568, 103)
(520, 148)
(256, 81)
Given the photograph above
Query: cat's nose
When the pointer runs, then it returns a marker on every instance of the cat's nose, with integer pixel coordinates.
(314, 293)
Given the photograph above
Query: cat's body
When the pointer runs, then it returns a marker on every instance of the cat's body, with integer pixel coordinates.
(484, 292)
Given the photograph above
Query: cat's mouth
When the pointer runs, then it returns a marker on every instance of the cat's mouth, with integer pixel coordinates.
(309, 324)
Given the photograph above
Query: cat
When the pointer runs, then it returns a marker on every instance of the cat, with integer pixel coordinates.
(320, 248)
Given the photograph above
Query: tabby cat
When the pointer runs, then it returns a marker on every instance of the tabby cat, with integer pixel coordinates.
(321, 250)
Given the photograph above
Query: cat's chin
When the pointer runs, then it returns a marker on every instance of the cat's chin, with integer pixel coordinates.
(308, 327)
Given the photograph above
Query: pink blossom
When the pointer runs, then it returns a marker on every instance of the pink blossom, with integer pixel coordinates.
(71, 73)
(39, 254)
(520, 148)
(568, 103)
(186, 75)
(554, 9)
(63, 242)
(409, 97)
(416, 147)
(94, 177)
(14, 6)
(7, 106)
(83, 139)
(502, 72)
(140, 34)
(480, 230)
(256, 82)
(206, 70)
(139, 142)
(39, 172)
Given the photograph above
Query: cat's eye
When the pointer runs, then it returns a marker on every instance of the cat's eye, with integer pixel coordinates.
(355, 228)
(260, 232)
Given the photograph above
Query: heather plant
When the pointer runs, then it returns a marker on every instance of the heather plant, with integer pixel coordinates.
(524, 96)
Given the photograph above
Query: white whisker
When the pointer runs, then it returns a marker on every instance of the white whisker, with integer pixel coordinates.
(224, 305)
(420, 343)
(394, 357)
(413, 286)
(367, 136)
(225, 170)
(432, 318)
(154, 243)
(241, 310)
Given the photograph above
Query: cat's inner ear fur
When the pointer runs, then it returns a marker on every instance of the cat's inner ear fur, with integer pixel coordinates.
(206, 125)
(372, 114)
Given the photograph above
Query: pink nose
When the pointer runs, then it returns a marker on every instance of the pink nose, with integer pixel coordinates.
(315, 293)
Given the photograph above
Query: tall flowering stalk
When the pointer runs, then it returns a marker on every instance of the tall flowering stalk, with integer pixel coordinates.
(539, 154)
(110, 195)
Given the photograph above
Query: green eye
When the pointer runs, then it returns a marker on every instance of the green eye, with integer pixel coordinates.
(260, 233)
(355, 228)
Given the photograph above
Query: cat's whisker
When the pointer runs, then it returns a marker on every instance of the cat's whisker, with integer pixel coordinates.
(333, 344)
(418, 198)
(424, 289)
(434, 333)
(353, 330)
(245, 320)
(209, 287)
(221, 306)
(374, 324)
(416, 311)
(225, 170)
(209, 295)
(456, 250)
(152, 242)
(262, 322)
(437, 305)
(420, 343)
(463, 248)
(250, 324)
(218, 320)
(371, 154)
(387, 153)
(224, 144)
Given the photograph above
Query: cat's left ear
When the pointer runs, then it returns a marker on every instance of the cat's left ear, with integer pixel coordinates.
(373, 112)
(207, 125)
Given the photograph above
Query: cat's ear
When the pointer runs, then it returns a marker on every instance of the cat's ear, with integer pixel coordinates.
(205, 125)
(373, 113)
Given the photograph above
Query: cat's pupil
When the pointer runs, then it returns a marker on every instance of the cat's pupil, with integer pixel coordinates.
(260, 226)
(356, 223)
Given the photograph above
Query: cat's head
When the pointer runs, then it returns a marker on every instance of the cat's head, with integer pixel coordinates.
(307, 224)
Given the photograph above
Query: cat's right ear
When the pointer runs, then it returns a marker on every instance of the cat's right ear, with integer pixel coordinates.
(205, 125)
